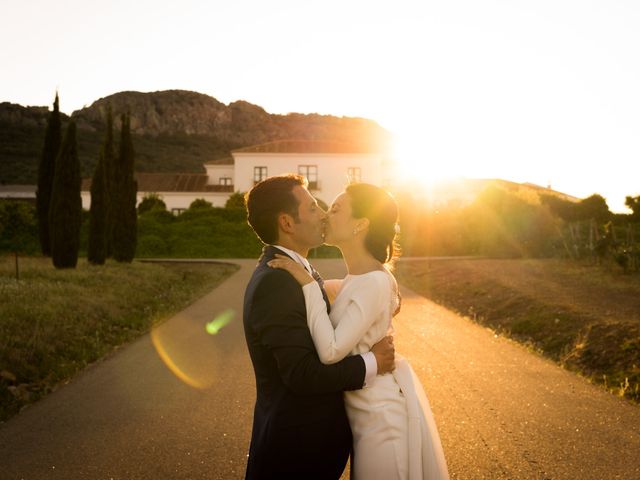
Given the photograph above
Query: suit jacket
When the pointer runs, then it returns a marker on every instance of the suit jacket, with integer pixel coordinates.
(300, 427)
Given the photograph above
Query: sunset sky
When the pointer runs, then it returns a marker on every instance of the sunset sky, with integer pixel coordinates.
(544, 91)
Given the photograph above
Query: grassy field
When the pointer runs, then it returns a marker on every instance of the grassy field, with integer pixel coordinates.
(53, 323)
(585, 317)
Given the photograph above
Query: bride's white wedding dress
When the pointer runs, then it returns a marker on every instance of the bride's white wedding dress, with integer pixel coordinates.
(394, 433)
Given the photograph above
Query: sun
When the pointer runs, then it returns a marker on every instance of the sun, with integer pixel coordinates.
(414, 161)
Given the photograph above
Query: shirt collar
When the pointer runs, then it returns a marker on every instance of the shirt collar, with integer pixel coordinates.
(296, 256)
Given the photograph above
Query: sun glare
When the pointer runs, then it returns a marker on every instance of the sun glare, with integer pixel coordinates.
(413, 164)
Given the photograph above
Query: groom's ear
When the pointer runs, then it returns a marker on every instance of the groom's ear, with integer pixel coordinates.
(285, 223)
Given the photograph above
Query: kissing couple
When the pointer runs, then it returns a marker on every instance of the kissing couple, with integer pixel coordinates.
(328, 382)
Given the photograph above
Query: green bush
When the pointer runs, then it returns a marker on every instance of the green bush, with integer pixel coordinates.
(18, 227)
(200, 204)
(236, 201)
(152, 246)
(151, 201)
(198, 233)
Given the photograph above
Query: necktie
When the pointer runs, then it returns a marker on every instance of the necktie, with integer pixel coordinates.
(316, 276)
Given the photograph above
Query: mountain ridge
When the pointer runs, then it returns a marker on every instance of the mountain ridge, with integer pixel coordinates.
(173, 131)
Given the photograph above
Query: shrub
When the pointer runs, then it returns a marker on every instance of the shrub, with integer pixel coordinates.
(235, 200)
(151, 201)
(152, 246)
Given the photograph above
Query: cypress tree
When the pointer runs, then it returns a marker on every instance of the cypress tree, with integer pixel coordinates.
(46, 169)
(125, 218)
(99, 220)
(65, 212)
(97, 253)
(109, 160)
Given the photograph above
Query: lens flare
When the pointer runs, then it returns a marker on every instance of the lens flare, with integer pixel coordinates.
(191, 352)
(215, 325)
(179, 372)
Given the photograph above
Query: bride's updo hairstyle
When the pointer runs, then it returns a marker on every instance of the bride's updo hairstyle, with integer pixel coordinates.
(380, 208)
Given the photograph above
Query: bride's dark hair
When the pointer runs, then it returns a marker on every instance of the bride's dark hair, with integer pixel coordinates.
(380, 208)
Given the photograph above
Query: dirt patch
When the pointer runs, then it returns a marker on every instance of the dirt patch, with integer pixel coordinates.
(585, 317)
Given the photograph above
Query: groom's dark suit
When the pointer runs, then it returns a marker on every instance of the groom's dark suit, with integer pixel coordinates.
(300, 428)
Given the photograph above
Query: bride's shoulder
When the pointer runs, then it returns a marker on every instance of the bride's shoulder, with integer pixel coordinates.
(383, 280)
(375, 279)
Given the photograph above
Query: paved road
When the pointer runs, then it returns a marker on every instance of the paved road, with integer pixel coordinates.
(177, 404)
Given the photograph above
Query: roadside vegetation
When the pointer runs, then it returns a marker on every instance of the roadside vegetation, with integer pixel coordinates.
(200, 232)
(584, 316)
(53, 323)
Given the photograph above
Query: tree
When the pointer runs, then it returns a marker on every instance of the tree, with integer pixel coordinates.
(97, 251)
(235, 200)
(151, 202)
(594, 208)
(46, 170)
(634, 204)
(125, 191)
(200, 204)
(65, 212)
(565, 209)
(109, 160)
(17, 228)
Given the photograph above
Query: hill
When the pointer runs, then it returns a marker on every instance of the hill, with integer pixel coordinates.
(173, 130)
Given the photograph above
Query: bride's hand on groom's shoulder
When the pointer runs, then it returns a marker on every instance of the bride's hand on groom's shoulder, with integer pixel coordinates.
(294, 268)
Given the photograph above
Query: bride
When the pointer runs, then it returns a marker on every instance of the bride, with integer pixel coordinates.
(394, 433)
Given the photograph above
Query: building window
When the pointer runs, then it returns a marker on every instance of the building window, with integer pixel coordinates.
(354, 174)
(259, 174)
(310, 172)
(225, 181)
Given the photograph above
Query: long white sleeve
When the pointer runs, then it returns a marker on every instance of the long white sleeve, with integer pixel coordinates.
(366, 304)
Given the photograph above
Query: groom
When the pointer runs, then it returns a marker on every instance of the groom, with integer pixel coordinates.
(300, 427)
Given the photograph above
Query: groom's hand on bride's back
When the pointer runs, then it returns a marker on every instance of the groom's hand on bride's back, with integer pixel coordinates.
(385, 355)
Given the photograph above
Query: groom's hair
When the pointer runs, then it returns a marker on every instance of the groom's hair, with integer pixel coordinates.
(268, 199)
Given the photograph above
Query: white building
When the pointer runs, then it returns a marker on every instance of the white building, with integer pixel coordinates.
(328, 166)
(177, 190)
(18, 192)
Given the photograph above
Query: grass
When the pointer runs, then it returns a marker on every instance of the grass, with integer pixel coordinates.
(585, 317)
(53, 323)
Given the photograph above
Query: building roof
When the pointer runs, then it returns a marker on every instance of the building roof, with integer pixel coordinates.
(170, 182)
(18, 189)
(221, 161)
(305, 146)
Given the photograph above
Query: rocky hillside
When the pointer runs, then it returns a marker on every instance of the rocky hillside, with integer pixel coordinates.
(168, 112)
(173, 130)
(13, 114)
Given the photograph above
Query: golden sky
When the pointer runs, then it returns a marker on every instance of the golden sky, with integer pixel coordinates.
(544, 91)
